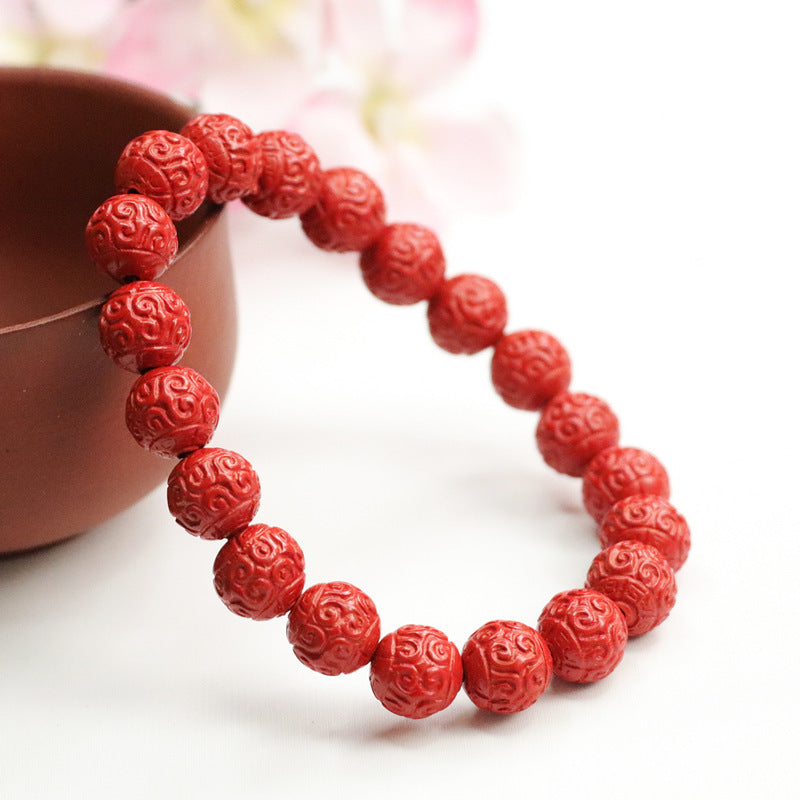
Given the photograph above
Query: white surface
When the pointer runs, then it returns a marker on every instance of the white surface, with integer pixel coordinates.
(657, 237)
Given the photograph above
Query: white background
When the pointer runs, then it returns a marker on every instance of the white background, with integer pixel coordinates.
(656, 234)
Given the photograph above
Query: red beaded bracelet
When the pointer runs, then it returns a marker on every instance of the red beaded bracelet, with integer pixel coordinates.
(214, 493)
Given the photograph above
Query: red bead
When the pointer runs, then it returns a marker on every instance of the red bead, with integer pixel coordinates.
(416, 671)
(131, 237)
(404, 265)
(639, 580)
(528, 368)
(230, 154)
(507, 666)
(213, 493)
(467, 314)
(172, 411)
(334, 628)
(621, 472)
(144, 325)
(349, 213)
(167, 167)
(649, 519)
(259, 572)
(573, 429)
(289, 176)
(586, 634)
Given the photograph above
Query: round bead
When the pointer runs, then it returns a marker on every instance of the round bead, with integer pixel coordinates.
(416, 671)
(404, 265)
(172, 411)
(586, 634)
(467, 314)
(289, 176)
(131, 237)
(144, 325)
(334, 628)
(573, 429)
(227, 147)
(639, 580)
(619, 472)
(349, 213)
(167, 167)
(213, 493)
(649, 519)
(507, 666)
(259, 572)
(528, 368)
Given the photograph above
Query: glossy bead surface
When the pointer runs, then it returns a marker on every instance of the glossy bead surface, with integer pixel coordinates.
(213, 493)
(259, 572)
(416, 671)
(507, 666)
(586, 634)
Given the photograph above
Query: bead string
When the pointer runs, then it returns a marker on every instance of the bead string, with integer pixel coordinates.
(214, 493)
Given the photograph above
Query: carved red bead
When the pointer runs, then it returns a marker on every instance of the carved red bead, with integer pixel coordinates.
(416, 671)
(621, 472)
(467, 314)
(213, 493)
(586, 634)
(334, 628)
(650, 519)
(259, 572)
(131, 237)
(349, 213)
(573, 429)
(507, 666)
(167, 167)
(404, 265)
(172, 411)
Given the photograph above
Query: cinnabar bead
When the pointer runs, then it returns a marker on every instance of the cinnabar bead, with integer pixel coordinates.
(416, 671)
(467, 314)
(619, 472)
(586, 634)
(507, 666)
(573, 429)
(213, 493)
(131, 237)
(167, 167)
(259, 572)
(404, 265)
(172, 411)
(349, 213)
(650, 519)
(334, 628)
(638, 579)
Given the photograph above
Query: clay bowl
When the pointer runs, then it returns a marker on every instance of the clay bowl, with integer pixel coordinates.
(68, 461)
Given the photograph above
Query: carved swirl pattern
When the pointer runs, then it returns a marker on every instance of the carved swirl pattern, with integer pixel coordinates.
(289, 176)
(172, 411)
(213, 493)
(573, 429)
(507, 666)
(259, 572)
(130, 236)
(619, 472)
(404, 265)
(639, 580)
(586, 634)
(649, 519)
(167, 167)
(144, 325)
(416, 671)
(334, 628)
(467, 314)
(349, 213)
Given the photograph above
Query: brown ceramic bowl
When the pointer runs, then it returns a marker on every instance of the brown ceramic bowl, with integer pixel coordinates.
(67, 459)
